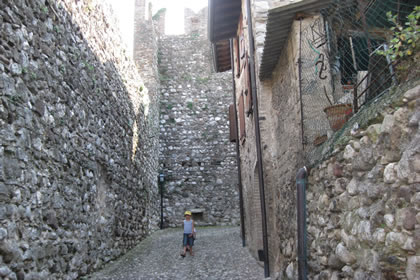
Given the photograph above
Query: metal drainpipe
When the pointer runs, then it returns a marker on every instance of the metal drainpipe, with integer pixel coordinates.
(301, 183)
(238, 159)
(300, 83)
(258, 140)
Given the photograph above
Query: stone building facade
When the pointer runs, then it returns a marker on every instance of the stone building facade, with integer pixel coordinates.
(353, 231)
(78, 141)
(196, 158)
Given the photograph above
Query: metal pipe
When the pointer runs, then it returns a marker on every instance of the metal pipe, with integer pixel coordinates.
(258, 139)
(238, 158)
(301, 182)
(300, 83)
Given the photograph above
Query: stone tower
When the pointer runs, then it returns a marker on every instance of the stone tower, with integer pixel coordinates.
(196, 157)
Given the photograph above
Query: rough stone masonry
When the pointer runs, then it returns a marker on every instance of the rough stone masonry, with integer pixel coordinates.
(196, 157)
(363, 200)
(78, 141)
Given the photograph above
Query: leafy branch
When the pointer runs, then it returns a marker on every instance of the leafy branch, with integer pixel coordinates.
(405, 39)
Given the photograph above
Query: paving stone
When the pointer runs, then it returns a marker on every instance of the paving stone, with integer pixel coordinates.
(218, 254)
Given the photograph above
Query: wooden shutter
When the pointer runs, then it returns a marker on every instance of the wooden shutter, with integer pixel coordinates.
(237, 58)
(241, 118)
(248, 88)
(232, 124)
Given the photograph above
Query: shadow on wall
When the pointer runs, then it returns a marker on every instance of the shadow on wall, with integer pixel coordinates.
(74, 136)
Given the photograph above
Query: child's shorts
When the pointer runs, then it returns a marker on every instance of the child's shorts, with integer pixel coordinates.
(187, 240)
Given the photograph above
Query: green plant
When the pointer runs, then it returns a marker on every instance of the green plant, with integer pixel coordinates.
(57, 29)
(187, 77)
(405, 39)
(163, 77)
(169, 107)
(203, 80)
(190, 105)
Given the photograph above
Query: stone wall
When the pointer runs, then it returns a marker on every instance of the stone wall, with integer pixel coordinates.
(279, 120)
(281, 134)
(77, 141)
(196, 23)
(196, 157)
(247, 146)
(364, 200)
(259, 13)
(146, 52)
(160, 20)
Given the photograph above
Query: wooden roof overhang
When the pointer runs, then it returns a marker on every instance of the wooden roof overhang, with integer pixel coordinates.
(222, 25)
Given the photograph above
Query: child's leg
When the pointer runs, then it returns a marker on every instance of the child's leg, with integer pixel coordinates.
(190, 243)
(184, 243)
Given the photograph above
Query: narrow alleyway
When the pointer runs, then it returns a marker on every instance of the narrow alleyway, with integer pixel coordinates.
(218, 255)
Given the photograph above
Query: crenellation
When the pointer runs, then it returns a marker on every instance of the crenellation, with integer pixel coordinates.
(195, 23)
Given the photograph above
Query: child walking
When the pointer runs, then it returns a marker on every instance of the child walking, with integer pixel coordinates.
(188, 234)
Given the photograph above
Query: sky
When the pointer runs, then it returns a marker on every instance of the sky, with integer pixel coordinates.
(175, 12)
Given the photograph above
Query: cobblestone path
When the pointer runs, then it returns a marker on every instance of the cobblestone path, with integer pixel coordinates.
(218, 255)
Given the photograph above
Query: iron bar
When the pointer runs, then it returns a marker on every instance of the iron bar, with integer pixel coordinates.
(385, 82)
(374, 67)
(238, 158)
(370, 84)
(355, 100)
(362, 10)
(258, 139)
(300, 83)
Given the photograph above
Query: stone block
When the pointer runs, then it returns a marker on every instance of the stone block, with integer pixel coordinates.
(413, 93)
(344, 254)
(390, 174)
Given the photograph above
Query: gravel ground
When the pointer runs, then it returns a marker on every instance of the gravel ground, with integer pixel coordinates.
(218, 255)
